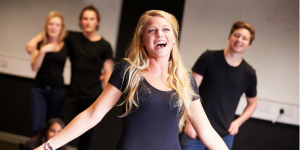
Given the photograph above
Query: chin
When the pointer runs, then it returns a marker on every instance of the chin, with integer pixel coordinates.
(88, 30)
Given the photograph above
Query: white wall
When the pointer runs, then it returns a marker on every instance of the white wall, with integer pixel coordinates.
(206, 25)
(274, 53)
(21, 20)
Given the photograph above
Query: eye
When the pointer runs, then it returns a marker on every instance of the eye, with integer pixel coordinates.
(151, 30)
(166, 29)
(236, 35)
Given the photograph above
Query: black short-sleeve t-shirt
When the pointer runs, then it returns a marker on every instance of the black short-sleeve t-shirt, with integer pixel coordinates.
(87, 60)
(154, 125)
(51, 71)
(222, 87)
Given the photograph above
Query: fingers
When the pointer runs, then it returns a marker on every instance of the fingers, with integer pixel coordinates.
(233, 130)
(193, 136)
(191, 133)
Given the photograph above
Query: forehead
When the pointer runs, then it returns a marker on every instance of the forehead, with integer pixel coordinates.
(157, 21)
(242, 31)
(55, 125)
(89, 13)
(55, 19)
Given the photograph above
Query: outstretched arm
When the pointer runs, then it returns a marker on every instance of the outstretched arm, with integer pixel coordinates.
(88, 118)
(205, 131)
(188, 129)
(31, 45)
(248, 111)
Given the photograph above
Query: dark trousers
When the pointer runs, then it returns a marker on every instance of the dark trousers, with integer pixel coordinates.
(72, 106)
(45, 103)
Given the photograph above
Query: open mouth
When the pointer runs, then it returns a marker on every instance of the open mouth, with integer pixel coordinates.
(238, 44)
(160, 44)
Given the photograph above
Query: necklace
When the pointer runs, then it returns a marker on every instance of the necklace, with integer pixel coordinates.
(157, 75)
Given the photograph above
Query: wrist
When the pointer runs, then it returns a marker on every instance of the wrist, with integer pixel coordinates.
(47, 146)
(238, 121)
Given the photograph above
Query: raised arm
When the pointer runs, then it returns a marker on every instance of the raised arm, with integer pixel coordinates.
(205, 131)
(248, 111)
(188, 129)
(37, 57)
(31, 45)
(88, 118)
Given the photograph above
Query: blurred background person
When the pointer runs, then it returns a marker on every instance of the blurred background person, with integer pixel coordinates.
(49, 60)
(90, 54)
(52, 127)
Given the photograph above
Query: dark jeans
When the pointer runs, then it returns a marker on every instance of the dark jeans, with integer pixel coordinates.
(72, 106)
(45, 103)
(188, 143)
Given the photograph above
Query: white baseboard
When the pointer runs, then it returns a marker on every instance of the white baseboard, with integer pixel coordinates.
(19, 139)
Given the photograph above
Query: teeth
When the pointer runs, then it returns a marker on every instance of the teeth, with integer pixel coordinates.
(238, 44)
(160, 42)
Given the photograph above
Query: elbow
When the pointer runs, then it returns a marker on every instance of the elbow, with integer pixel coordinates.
(29, 48)
(33, 68)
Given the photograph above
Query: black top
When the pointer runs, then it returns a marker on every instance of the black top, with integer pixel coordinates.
(51, 70)
(37, 141)
(222, 86)
(154, 125)
(87, 59)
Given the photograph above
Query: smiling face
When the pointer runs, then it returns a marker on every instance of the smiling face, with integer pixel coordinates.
(239, 40)
(158, 37)
(53, 130)
(54, 27)
(89, 21)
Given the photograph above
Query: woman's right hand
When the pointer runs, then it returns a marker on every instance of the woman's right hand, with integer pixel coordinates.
(50, 47)
(190, 131)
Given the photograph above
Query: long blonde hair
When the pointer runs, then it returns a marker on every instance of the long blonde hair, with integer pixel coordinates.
(63, 32)
(178, 76)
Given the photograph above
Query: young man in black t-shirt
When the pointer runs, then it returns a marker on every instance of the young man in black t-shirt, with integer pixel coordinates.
(222, 77)
(90, 54)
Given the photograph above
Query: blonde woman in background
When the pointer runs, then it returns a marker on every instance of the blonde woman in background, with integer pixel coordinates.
(158, 94)
(49, 61)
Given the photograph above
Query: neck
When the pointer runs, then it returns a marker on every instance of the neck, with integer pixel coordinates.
(92, 36)
(159, 66)
(232, 58)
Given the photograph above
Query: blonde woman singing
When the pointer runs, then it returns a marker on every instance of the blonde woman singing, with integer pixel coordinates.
(158, 94)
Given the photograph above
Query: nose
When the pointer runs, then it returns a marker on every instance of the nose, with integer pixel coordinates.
(159, 33)
(55, 133)
(239, 38)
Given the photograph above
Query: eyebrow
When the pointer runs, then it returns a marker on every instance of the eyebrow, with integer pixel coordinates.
(162, 25)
